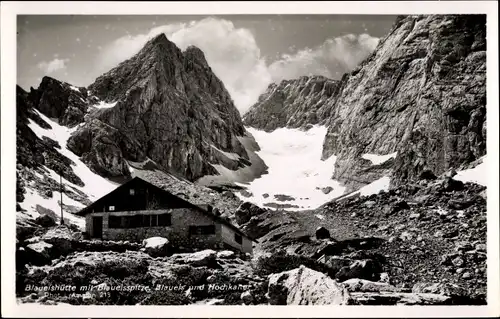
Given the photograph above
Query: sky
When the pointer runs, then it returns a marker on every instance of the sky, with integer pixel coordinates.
(247, 52)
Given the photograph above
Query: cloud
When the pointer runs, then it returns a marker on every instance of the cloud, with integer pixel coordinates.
(331, 59)
(236, 59)
(53, 66)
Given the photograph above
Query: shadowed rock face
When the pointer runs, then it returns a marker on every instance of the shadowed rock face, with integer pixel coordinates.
(33, 152)
(60, 100)
(170, 107)
(422, 93)
(293, 103)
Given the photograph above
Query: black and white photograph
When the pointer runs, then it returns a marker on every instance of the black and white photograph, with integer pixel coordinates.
(251, 159)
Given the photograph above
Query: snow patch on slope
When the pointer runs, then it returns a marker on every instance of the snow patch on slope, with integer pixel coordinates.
(295, 169)
(379, 159)
(375, 187)
(95, 185)
(478, 174)
(104, 105)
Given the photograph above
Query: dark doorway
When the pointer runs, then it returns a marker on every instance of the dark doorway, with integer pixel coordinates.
(97, 227)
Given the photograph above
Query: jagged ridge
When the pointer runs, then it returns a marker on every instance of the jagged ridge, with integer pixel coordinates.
(292, 103)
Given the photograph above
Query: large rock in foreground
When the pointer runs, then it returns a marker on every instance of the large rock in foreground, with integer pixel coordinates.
(156, 246)
(61, 238)
(303, 286)
(207, 257)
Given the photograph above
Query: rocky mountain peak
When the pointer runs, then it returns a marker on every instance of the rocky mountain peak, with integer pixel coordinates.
(167, 106)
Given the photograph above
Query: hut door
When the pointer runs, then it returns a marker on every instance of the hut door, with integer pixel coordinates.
(97, 227)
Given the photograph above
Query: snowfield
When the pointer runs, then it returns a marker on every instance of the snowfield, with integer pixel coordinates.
(478, 174)
(295, 169)
(95, 185)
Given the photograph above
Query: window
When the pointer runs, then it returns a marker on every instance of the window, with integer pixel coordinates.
(111, 208)
(238, 239)
(128, 221)
(140, 220)
(202, 230)
(164, 220)
(136, 221)
(132, 191)
(115, 221)
(146, 220)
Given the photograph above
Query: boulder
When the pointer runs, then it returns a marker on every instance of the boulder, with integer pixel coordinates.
(399, 298)
(61, 238)
(201, 258)
(399, 205)
(449, 184)
(304, 286)
(156, 246)
(226, 254)
(246, 211)
(39, 253)
(327, 190)
(356, 284)
(363, 269)
(45, 220)
(384, 277)
(337, 262)
(447, 289)
(247, 297)
(322, 233)
(481, 247)
(406, 236)
(229, 194)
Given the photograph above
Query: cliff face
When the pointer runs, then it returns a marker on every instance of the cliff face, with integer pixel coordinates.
(165, 105)
(421, 94)
(292, 103)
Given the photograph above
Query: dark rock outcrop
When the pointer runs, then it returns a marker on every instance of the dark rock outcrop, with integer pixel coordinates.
(293, 103)
(322, 233)
(60, 100)
(31, 151)
(246, 211)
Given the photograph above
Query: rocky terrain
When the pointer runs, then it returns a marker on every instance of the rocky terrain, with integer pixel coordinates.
(293, 103)
(418, 244)
(428, 234)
